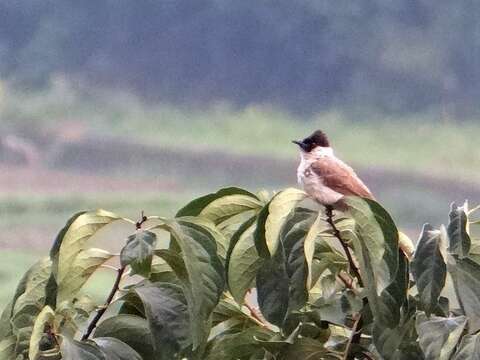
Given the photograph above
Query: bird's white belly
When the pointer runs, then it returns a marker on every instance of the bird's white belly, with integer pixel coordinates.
(314, 187)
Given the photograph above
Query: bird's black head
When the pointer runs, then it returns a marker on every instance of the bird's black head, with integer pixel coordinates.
(318, 138)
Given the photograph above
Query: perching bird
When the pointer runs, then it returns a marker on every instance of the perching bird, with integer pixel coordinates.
(327, 179)
(324, 177)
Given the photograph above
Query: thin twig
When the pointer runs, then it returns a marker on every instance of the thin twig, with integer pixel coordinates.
(101, 311)
(115, 288)
(357, 326)
(336, 233)
(348, 282)
(354, 338)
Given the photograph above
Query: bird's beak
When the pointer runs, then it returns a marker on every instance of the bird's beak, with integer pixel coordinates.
(301, 144)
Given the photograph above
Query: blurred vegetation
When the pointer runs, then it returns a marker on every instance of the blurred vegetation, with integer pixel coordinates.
(397, 57)
(389, 142)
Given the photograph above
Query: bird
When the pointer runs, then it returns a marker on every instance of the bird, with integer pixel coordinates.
(323, 176)
(327, 179)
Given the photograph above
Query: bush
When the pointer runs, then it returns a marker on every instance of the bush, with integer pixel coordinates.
(327, 285)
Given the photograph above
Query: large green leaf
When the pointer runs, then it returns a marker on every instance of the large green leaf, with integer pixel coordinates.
(195, 207)
(293, 236)
(306, 348)
(465, 274)
(439, 336)
(272, 218)
(5, 326)
(273, 287)
(104, 348)
(400, 342)
(73, 238)
(138, 252)
(84, 265)
(459, 240)
(166, 311)
(202, 272)
(220, 238)
(114, 349)
(243, 261)
(45, 318)
(309, 244)
(469, 348)
(227, 206)
(7, 347)
(29, 300)
(375, 241)
(428, 268)
(227, 309)
(75, 350)
(132, 330)
(241, 345)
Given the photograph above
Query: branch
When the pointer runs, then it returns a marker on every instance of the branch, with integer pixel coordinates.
(336, 233)
(357, 326)
(102, 310)
(116, 284)
(354, 338)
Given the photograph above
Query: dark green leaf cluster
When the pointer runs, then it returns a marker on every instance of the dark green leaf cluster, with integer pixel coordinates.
(251, 277)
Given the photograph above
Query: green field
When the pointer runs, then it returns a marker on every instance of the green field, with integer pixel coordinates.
(420, 142)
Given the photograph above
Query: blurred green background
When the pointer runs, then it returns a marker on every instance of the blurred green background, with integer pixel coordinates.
(133, 106)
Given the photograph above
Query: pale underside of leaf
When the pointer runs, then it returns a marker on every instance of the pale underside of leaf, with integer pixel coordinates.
(278, 210)
(83, 266)
(76, 238)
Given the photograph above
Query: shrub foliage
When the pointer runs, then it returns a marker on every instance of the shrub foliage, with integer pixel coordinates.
(248, 276)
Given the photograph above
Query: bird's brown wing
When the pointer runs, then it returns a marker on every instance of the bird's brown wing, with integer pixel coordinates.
(340, 177)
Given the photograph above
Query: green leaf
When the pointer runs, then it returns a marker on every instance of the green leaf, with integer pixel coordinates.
(459, 240)
(220, 239)
(227, 206)
(195, 207)
(45, 319)
(7, 347)
(242, 261)
(72, 239)
(429, 269)
(400, 342)
(84, 265)
(469, 348)
(309, 248)
(439, 336)
(241, 345)
(162, 272)
(394, 295)
(132, 330)
(75, 350)
(114, 349)
(29, 300)
(465, 274)
(5, 326)
(138, 252)
(293, 237)
(200, 271)
(306, 348)
(166, 311)
(272, 218)
(375, 242)
(273, 288)
(228, 309)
